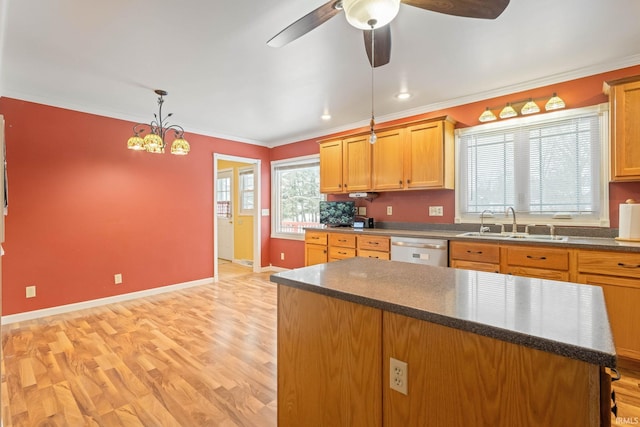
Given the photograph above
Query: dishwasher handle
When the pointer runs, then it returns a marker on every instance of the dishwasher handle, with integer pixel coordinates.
(420, 245)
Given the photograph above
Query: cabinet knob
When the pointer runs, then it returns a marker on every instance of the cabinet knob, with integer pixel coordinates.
(408, 181)
(400, 182)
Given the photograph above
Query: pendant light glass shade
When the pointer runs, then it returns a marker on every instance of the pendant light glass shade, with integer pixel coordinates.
(365, 14)
(530, 108)
(487, 116)
(152, 141)
(555, 103)
(507, 112)
(136, 143)
(180, 147)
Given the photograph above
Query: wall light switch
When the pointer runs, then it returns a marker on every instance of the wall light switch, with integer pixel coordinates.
(389, 210)
(362, 210)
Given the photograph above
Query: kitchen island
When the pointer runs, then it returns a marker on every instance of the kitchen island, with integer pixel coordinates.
(481, 348)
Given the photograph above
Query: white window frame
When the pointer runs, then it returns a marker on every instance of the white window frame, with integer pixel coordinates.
(242, 208)
(275, 193)
(523, 218)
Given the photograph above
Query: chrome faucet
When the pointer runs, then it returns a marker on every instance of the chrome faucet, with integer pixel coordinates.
(552, 230)
(514, 228)
(482, 227)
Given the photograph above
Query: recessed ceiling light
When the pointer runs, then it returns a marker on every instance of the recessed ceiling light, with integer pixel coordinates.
(403, 95)
(326, 116)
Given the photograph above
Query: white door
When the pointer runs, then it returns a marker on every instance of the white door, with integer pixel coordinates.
(224, 211)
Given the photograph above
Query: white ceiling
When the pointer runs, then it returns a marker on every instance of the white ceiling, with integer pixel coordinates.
(106, 57)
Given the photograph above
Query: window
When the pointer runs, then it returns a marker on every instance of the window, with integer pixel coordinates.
(295, 185)
(247, 191)
(223, 195)
(549, 167)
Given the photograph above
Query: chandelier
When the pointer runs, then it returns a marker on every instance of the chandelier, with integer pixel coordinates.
(154, 141)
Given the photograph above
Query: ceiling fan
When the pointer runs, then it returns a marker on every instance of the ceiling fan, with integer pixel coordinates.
(368, 15)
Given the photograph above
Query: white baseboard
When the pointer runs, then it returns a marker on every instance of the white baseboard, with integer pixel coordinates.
(36, 314)
(275, 269)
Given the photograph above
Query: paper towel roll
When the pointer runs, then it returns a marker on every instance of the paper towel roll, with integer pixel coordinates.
(629, 226)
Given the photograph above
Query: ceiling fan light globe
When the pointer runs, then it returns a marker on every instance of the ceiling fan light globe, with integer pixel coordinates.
(365, 14)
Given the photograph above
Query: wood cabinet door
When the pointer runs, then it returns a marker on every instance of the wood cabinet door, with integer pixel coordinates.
(356, 163)
(430, 155)
(315, 254)
(388, 161)
(625, 132)
(424, 156)
(622, 297)
(331, 167)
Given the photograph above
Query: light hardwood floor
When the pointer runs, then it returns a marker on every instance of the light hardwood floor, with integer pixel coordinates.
(204, 356)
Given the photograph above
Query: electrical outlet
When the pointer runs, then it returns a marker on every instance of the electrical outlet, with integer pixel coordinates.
(282, 256)
(398, 373)
(389, 210)
(117, 278)
(30, 291)
(436, 211)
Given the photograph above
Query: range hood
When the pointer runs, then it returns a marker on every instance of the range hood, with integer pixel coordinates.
(363, 195)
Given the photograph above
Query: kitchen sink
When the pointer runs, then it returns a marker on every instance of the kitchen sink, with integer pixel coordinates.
(515, 236)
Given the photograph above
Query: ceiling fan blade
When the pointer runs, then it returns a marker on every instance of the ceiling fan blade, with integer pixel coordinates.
(307, 23)
(484, 9)
(382, 45)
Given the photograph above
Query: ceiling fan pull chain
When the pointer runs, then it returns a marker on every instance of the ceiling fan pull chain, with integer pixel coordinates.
(373, 137)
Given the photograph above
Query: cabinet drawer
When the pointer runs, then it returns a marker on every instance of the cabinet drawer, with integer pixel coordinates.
(342, 240)
(538, 273)
(547, 258)
(478, 252)
(315, 237)
(477, 266)
(609, 263)
(366, 253)
(375, 243)
(336, 252)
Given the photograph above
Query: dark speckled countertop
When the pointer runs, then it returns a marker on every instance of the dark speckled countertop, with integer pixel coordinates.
(558, 317)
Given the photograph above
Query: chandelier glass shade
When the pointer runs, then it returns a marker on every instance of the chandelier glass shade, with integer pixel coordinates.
(368, 14)
(155, 139)
(554, 103)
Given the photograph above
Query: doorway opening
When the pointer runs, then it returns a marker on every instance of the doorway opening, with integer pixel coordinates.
(236, 217)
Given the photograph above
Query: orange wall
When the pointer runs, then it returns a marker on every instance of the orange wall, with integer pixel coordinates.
(83, 208)
(412, 206)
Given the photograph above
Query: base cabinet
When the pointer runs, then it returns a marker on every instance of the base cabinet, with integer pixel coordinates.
(315, 248)
(329, 361)
(333, 370)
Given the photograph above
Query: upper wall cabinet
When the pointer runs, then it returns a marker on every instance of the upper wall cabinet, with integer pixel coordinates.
(418, 155)
(429, 154)
(624, 103)
(345, 165)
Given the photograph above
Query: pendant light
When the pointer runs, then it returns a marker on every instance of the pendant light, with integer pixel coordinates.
(373, 137)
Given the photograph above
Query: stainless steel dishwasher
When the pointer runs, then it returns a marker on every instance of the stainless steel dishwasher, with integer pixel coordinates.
(420, 251)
